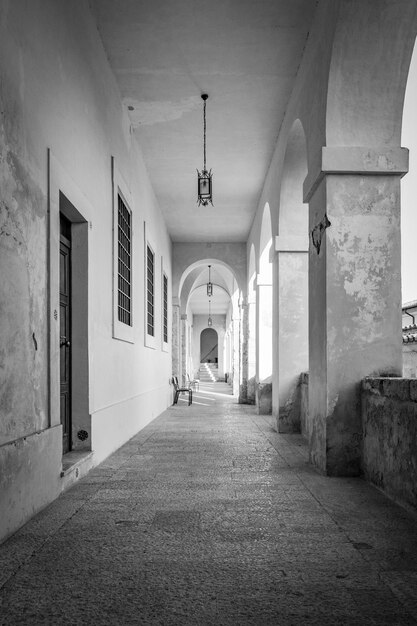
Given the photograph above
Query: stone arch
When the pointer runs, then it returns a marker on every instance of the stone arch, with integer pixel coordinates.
(290, 356)
(265, 242)
(186, 357)
(189, 274)
(353, 191)
(408, 188)
(264, 301)
(371, 55)
(251, 327)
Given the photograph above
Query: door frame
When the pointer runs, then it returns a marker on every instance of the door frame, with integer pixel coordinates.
(65, 197)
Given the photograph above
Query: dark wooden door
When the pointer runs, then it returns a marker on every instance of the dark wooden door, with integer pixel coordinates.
(65, 331)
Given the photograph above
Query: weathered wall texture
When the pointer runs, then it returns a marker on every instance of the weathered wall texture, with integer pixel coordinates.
(57, 91)
(305, 424)
(410, 360)
(389, 422)
(352, 186)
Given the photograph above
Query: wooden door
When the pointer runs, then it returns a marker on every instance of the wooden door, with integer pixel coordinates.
(65, 331)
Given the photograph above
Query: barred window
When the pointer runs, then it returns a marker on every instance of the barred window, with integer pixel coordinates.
(165, 308)
(124, 263)
(150, 286)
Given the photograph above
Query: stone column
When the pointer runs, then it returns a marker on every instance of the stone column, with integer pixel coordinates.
(236, 355)
(184, 342)
(243, 387)
(251, 326)
(290, 329)
(354, 292)
(176, 337)
(264, 294)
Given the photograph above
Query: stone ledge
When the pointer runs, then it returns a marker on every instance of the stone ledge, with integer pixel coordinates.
(404, 389)
(355, 160)
(72, 461)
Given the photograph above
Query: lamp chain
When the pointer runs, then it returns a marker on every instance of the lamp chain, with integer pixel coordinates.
(204, 136)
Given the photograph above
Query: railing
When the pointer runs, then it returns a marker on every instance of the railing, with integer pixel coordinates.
(208, 353)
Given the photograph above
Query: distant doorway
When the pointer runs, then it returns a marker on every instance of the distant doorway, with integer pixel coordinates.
(209, 346)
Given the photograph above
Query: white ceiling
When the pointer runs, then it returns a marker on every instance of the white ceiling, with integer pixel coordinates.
(245, 55)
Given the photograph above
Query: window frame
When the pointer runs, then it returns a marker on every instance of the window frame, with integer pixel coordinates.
(121, 330)
(164, 276)
(150, 341)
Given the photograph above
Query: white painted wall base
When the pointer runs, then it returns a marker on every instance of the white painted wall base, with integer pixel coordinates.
(116, 424)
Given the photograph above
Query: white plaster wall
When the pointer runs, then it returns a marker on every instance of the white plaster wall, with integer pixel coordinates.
(57, 92)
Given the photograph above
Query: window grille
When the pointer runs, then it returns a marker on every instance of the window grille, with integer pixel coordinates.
(150, 275)
(165, 308)
(124, 264)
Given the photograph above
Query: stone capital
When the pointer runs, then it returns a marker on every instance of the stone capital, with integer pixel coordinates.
(359, 160)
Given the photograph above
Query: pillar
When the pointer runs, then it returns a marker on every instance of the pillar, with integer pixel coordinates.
(236, 355)
(291, 330)
(354, 292)
(251, 324)
(176, 338)
(184, 342)
(264, 344)
(243, 387)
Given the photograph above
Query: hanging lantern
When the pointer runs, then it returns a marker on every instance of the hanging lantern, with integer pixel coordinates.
(209, 321)
(204, 177)
(209, 285)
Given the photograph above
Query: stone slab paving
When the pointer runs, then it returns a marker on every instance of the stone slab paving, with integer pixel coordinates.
(208, 516)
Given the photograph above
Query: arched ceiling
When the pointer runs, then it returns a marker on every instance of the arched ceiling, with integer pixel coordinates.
(245, 55)
(194, 291)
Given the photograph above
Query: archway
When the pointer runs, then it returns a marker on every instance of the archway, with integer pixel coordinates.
(209, 346)
(264, 303)
(251, 328)
(291, 320)
(354, 207)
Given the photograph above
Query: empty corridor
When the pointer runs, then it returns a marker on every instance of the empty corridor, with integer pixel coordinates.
(208, 516)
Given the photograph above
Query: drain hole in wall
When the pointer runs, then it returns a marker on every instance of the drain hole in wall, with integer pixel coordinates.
(82, 434)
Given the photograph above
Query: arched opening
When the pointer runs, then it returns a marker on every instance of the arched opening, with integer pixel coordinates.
(209, 346)
(264, 317)
(196, 306)
(409, 223)
(291, 353)
(251, 388)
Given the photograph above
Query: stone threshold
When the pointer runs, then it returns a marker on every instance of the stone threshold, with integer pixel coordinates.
(73, 462)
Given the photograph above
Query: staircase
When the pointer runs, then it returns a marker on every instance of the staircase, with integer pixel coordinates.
(208, 372)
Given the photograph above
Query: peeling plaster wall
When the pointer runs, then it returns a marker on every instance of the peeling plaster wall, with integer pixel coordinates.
(357, 242)
(57, 91)
(410, 360)
(389, 422)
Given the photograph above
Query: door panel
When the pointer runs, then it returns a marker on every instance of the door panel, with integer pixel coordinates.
(65, 339)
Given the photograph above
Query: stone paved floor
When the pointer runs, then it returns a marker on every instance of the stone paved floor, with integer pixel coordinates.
(210, 517)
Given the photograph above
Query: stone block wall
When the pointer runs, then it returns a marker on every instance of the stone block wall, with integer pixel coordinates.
(389, 420)
(410, 359)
